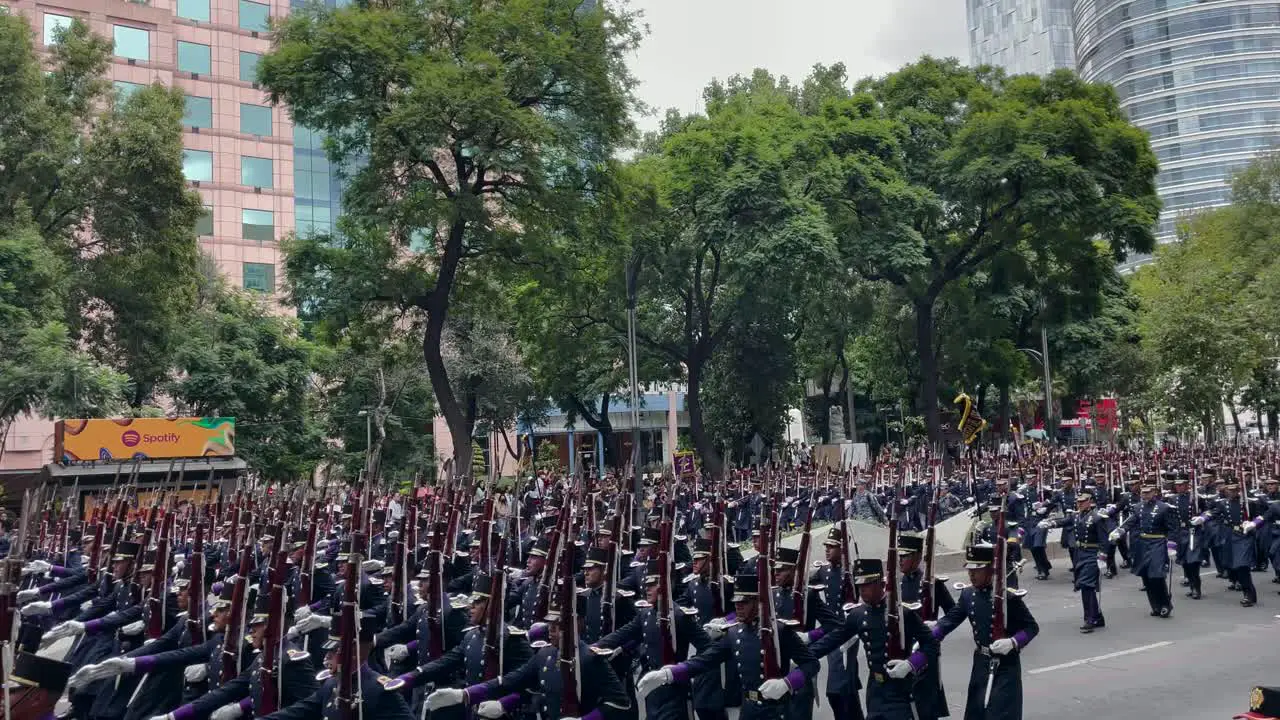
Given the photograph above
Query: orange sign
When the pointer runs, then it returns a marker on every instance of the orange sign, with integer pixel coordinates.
(146, 438)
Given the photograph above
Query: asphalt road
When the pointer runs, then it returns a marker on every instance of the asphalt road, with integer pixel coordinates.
(1197, 665)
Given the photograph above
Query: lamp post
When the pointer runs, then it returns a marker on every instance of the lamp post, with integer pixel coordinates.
(1042, 356)
(633, 278)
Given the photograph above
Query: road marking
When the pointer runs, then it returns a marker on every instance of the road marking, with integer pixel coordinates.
(1108, 656)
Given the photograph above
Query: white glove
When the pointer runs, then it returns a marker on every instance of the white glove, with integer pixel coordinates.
(70, 628)
(1044, 524)
(62, 708)
(195, 673)
(86, 605)
(230, 711)
(120, 665)
(36, 567)
(1114, 536)
(804, 637)
(1247, 526)
(897, 669)
(490, 709)
(166, 716)
(445, 697)
(396, 653)
(301, 614)
(653, 680)
(774, 689)
(1003, 646)
(40, 607)
(715, 630)
(931, 624)
(313, 622)
(1197, 520)
(133, 628)
(26, 596)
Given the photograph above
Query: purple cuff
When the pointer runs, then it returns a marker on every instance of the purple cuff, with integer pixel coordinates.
(411, 646)
(816, 634)
(216, 589)
(316, 605)
(59, 571)
(1020, 639)
(246, 705)
(795, 680)
(409, 678)
(92, 627)
(46, 588)
(680, 673)
(476, 694)
(538, 632)
(1257, 521)
(1171, 545)
(510, 702)
(937, 633)
(145, 664)
(185, 712)
(58, 605)
(918, 661)
(732, 617)
(594, 715)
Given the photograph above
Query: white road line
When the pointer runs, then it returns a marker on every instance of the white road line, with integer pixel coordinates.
(1108, 656)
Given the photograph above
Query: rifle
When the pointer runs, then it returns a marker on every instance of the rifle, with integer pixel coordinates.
(233, 639)
(435, 594)
(799, 581)
(928, 604)
(665, 605)
(570, 675)
(195, 589)
(716, 561)
(273, 641)
(348, 695)
(307, 568)
(159, 581)
(495, 611)
(770, 647)
(895, 621)
(608, 600)
(999, 602)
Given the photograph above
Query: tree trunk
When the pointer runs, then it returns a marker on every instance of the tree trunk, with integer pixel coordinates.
(928, 369)
(455, 416)
(702, 442)
(1004, 412)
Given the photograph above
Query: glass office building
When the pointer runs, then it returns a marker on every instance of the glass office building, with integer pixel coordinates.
(1021, 36)
(1201, 76)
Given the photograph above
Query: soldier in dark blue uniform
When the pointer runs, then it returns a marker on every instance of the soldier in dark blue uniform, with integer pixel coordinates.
(1190, 535)
(1153, 521)
(601, 698)
(467, 660)
(931, 698)
(381, 697)
(1233, 513)
(843, 679)
(1085, 530)
(889, 687)
(1001, 656)
(784, 569)
(741, 647)
(522, 598)
(643, 633)
(712, 692)
(243, 694)
(412, 638)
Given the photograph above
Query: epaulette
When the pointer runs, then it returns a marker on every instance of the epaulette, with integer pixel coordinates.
(296, 655)
(459, 604)
(911, 606)
(390, 684)
(324, 675)
(1016, 593)
(626, 593)
(689, 611)
(789, 623)
(819, 564)
(513, 630)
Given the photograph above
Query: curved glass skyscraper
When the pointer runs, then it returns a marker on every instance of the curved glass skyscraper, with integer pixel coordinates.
(1201, 76)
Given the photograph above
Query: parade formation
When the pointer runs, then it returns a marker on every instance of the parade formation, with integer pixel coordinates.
(578, 603)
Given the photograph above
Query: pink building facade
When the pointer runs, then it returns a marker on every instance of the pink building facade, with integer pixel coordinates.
(239, 150)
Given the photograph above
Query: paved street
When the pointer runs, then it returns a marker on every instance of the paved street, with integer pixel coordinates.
(1198, 665)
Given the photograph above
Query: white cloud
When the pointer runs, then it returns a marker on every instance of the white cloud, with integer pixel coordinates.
(693, 41)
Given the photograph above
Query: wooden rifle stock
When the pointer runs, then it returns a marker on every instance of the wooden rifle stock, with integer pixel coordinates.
(570, 677)
(233, 639)
(348, 700)
(799, 583)
(495, 612)
(160, 581)
(273, 641)
(665, 605)
(895, 648)
(769, 643)
(196, 590)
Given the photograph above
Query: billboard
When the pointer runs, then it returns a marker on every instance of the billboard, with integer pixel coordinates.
(145, 438)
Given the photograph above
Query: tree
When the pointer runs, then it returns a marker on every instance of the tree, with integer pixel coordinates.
(104, 187)
(239, 358)
(984, 165)
(480, 125)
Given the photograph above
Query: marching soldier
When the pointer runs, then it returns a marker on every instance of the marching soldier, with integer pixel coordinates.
(1232, 512)
(889, 687)
(712, 692)
(1085, 530)
(930, 697)
(997, 659)
(1190, 536)
(741, 645)
(843, 679)
(1154, 520)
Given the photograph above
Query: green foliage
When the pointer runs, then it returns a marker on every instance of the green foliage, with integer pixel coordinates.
(548, 457)
(480, 126)
(239, 358)
(96, 230)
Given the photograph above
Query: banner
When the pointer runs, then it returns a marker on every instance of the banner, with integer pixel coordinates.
(145, 438)
(683, 463)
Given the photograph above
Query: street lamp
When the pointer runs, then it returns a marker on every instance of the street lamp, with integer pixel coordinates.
(1042, 357)
(633, 283)
(368, 440)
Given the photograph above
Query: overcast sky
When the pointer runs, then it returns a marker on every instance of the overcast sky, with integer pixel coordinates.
(692, 41)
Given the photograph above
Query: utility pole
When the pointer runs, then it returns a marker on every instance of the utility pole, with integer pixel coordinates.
(1051, 430)
(637, 490)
